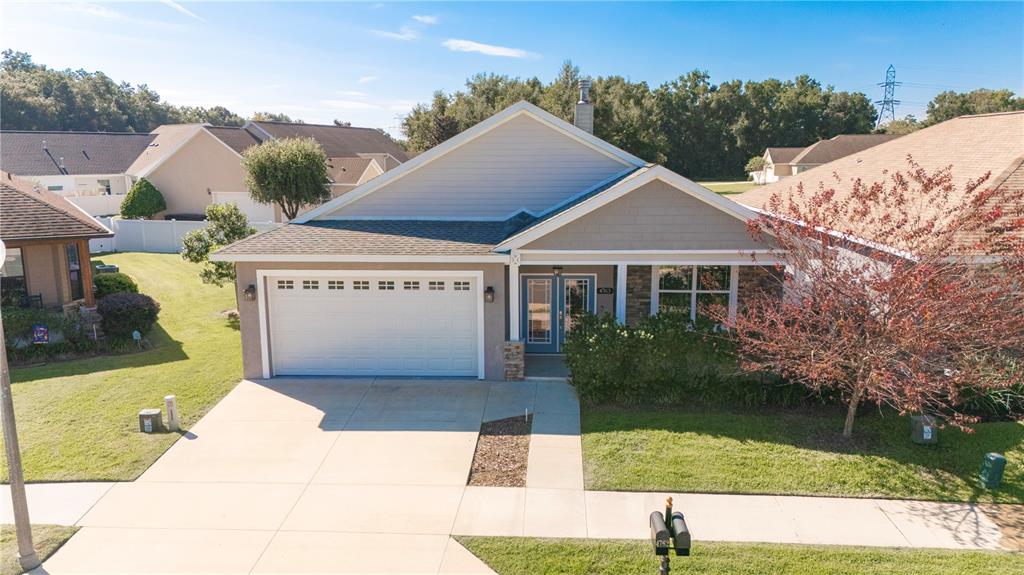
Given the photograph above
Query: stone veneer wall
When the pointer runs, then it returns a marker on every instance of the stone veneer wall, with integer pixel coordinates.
(515, 360)
(755, 279)
(638, 293)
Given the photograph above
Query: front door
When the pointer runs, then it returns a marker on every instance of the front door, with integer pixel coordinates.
(550, 304)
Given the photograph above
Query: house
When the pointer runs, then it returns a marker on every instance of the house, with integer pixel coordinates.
(89, 168)
(477, 254)
(785, 162)
(972, 145)
(195, 165)
(47, 246)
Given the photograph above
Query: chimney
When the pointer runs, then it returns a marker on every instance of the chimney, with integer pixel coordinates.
(584, 118)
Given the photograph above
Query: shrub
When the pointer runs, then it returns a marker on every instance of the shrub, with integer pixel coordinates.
(124, 313)
(107, 284)
(665, 360)
(755, 164)
(142, 201)
(66, 334)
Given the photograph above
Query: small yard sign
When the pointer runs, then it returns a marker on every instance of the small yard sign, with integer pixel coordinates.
(40, 334)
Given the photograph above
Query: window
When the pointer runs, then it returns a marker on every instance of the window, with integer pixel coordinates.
(310, 284)
(12, 278)
(55, 188)
(685, 290)
(74, 271)
(460, 286)
(335, 284)
(285, 284)
(436, 286)
(411, 285)
(386, 285)
(361, 285)
(104, 186)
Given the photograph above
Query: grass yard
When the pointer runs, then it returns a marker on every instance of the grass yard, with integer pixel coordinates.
(46, 538)
(726, 188)
(78, 420)
(792, 452)
(517, 556)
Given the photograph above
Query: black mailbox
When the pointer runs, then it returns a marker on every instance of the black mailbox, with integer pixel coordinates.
(680, 534)
(660, 536)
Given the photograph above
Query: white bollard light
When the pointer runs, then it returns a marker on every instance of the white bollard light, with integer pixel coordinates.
(171, 404)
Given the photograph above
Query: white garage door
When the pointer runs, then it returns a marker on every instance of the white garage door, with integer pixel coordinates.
(375, 324)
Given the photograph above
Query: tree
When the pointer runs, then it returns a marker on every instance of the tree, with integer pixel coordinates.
(143, 201)
(900, 127)
(273, 117)
(916, 326)
(949, 104)
(290, 172)
(226, 224)
(755, 164)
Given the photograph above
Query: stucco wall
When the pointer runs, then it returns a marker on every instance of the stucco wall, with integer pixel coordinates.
(46, 273)
(202, 165)
(494, 313)
(656, 216)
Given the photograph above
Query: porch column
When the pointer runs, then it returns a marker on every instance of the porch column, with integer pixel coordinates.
(513, 297)
(86, 268)
(620, 293)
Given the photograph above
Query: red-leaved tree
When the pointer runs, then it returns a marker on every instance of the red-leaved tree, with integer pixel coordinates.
(907, 292)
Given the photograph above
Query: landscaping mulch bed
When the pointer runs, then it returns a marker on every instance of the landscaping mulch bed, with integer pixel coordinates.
(501, 453)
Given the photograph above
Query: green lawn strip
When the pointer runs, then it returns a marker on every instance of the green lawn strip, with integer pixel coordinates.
(46, 538)
(729, 187)
(78, 420)
(521, 556)
(799, 452)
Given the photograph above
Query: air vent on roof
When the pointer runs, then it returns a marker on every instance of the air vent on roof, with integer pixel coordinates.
(86, 154)
(44, 145)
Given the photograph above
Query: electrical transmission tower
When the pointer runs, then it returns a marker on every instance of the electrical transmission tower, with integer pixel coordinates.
(888, 103)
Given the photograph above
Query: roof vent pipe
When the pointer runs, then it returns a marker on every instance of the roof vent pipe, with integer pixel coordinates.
(584, 117)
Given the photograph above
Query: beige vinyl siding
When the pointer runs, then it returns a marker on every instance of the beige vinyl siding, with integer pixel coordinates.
(202, 165)
(521, 164)
(656, 216)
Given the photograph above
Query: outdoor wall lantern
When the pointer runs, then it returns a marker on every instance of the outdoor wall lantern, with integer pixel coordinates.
(489, 294)
(557, 270)
(250, 293)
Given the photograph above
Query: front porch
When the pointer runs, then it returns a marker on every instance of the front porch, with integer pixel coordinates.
(47, 273)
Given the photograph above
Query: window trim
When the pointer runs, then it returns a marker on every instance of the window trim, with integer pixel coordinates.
(731, 291)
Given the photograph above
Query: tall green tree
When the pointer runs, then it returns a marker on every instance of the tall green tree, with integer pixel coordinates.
(226, 224)
(290, 172)
(949, 104)
(143, 201)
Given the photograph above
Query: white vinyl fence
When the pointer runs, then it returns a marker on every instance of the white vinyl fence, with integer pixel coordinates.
(159, 236)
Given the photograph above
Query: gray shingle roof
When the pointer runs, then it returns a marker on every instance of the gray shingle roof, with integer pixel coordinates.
(375, 237)
(29, 153)
(237, 139)
(337, 141)
(825, 151)
(30, 214)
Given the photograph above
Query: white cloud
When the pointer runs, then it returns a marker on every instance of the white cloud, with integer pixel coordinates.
(489, 49)
(91, 9)
(179, 8)
(405, 33)
(366, 79)
(426, 19)
(349, 105)
(351, 93)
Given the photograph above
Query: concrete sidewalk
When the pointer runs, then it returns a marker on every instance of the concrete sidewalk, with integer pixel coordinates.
(55, 503)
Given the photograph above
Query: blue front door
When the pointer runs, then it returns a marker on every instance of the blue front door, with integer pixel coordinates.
(549, 305)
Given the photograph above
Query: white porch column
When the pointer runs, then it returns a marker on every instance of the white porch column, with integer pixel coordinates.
(620, 293)
(513, 297)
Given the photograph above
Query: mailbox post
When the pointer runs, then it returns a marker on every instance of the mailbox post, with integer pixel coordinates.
(671, 535)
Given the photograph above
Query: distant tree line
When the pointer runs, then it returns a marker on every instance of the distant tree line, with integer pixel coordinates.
(35, 97)
(949, 104)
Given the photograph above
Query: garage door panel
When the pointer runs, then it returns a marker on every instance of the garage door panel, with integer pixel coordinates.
(375, 331)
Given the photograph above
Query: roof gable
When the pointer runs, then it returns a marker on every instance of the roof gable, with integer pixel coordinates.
(520, 155)
(31, 214)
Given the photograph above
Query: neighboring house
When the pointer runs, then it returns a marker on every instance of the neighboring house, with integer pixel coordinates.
(972, 146)
(195, 165)
(784, 162)
(484, 248)
(89, 168)
(47, 246)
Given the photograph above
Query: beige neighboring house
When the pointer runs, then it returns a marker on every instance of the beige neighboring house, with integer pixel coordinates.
(90, 169)
(784, 162)
(195, 165)
(972, 146)
(473, 258)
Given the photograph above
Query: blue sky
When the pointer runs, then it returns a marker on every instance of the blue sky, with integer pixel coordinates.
(368, 63)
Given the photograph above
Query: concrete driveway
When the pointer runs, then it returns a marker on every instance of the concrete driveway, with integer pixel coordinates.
(303, 475)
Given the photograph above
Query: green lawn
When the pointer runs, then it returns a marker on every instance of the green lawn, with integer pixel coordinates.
(792, 452)
(517, 556)
(46, 538)
(728, 187)
(78, 420)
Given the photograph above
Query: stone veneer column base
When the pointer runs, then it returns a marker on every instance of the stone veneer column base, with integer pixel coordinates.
(515, 360)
